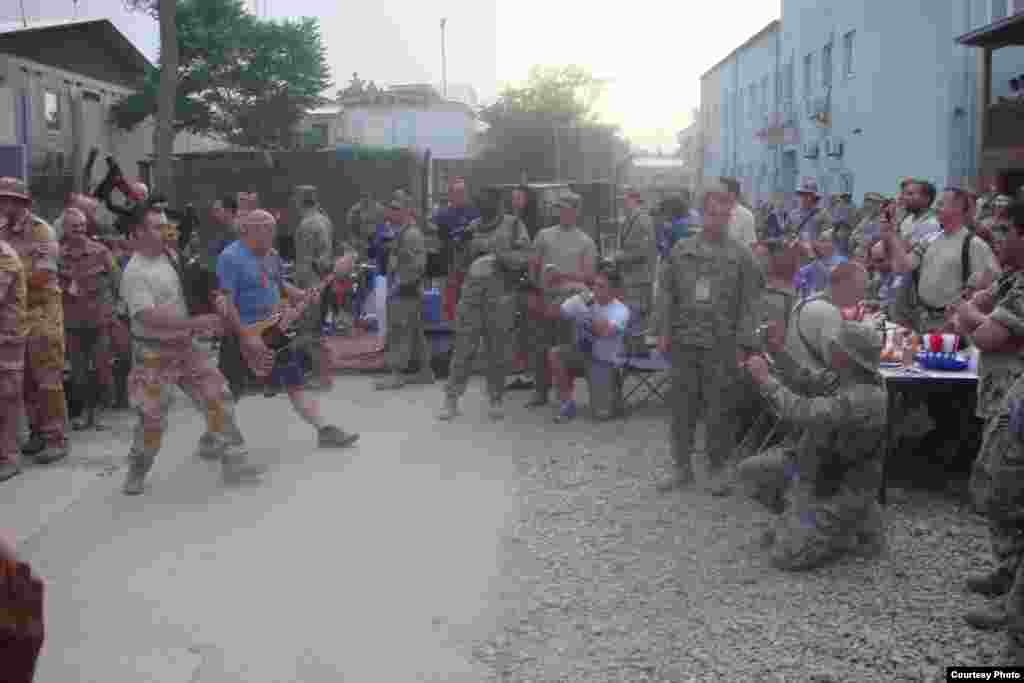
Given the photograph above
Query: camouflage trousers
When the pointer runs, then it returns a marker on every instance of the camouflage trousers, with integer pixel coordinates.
(997, 489)
(704, 384)
(406, 339)
(157, 368)
(311, 339)
(809, 531)
(45, 405)
(485, 318)
(11, 388)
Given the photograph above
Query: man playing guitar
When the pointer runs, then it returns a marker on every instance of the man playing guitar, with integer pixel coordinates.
(251, 279)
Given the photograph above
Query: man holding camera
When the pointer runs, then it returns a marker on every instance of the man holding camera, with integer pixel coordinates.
(600, 321)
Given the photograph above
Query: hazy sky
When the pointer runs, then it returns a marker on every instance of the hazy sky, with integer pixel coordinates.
(651, 51)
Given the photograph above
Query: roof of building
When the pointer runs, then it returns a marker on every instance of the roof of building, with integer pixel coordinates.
(1002, 33)
(106, 33)
(772, 26)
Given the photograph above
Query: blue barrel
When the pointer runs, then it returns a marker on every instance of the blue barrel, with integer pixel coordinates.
(432, 305)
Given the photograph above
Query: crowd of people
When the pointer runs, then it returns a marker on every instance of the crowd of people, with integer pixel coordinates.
(771, 323)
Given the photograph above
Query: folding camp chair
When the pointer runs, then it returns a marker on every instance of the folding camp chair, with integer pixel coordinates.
(643, 379)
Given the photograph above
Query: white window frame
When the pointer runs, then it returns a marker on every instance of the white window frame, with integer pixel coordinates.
(849, 53)
(808, 74)
(827, 65)
(53, 124)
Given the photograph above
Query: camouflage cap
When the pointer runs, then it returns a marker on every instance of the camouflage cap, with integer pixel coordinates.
(14, 187)
(862, 343)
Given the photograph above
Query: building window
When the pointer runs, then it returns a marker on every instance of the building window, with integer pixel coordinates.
(848, 43)
(808, 73)
(787, 85)
(826, 67)
(998, 10)
(51, 110)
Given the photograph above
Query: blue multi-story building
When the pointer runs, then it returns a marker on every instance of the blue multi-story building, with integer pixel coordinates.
(854, 93)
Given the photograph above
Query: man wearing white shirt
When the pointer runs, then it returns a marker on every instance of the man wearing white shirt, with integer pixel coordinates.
(742, 223)
(600, 321)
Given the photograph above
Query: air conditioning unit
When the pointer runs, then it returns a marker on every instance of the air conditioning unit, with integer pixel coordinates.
(834, 147)
(810, 150)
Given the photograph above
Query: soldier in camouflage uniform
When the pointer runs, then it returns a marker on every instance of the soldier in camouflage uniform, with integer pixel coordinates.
(362, 220)
(805, 223)
(708, 291)
(635, 260)
(13, 329)
(826, 489)
(36, 244)
(165, 354)
(919, 220)
(866, 231)
(406, 341)
(313, 261)
(994, 319)
(486, 311)
(998, 221)
(90, 278)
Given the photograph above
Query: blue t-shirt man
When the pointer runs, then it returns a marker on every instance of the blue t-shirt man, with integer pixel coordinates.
(255, 285)
(254, 281)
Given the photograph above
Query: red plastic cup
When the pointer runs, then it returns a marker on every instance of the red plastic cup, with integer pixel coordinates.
(935, 343)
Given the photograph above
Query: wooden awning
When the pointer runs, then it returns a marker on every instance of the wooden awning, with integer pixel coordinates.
(1002, 33)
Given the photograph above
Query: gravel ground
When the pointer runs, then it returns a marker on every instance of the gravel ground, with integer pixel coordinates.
(608, 580)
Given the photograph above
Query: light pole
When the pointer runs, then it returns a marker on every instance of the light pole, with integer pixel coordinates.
(444, 63)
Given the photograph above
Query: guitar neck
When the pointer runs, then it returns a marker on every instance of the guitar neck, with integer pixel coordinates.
(294, 312)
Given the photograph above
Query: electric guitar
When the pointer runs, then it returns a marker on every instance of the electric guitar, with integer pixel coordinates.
(278, 332)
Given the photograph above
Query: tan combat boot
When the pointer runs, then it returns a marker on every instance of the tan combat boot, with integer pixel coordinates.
(450, 409)
(138, 468)
(496, 410)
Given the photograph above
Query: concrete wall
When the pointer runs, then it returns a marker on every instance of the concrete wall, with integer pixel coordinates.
(907, 107)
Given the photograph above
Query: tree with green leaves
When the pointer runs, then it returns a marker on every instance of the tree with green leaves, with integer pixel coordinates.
(164, 11)
(534, 127)
(240, 78)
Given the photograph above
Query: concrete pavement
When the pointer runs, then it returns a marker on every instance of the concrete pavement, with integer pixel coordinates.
(376, 563)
